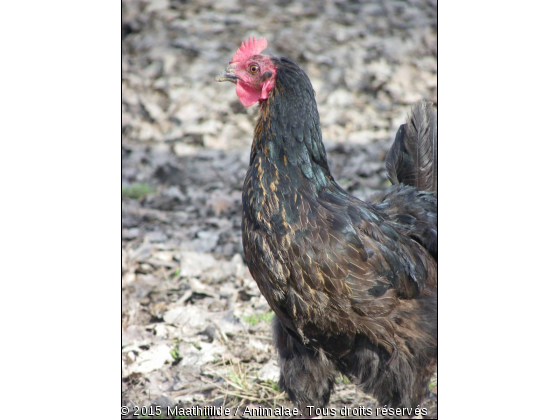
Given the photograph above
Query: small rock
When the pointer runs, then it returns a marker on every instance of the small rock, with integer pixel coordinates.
(151, 359)
(130, 233)
(269, 372)
(195, 263)
(157, 236)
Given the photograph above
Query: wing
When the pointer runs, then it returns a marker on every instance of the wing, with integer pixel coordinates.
(348, 266)
(367, 246)
(411, 212)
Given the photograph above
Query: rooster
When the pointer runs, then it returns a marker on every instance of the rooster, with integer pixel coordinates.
(353, 284)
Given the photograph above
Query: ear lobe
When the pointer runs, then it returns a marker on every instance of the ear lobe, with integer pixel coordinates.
(267, 87)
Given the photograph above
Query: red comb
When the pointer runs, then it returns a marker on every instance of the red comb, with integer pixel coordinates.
(248, 49)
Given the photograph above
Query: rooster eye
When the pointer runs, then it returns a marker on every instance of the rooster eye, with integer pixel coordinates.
(253, 68)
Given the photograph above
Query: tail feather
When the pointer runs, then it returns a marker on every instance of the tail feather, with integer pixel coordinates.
(412, 160)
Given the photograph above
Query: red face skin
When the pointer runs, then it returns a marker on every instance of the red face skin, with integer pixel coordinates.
(255, 79)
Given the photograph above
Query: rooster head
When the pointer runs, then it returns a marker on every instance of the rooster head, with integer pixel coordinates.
(253, 74)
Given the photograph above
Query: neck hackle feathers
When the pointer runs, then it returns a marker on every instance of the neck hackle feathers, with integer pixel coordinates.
(248, 49)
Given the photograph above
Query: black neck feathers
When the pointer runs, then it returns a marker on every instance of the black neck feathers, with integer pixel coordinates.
(288, 131)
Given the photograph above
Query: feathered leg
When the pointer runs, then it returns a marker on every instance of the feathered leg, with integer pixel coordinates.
(306, 375)
(401, 379)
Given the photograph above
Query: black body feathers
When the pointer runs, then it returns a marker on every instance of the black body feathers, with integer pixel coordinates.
(353, 284)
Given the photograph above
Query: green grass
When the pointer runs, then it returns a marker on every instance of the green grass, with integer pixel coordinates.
(342, 379)
(256, 318)
(175, 350)
(432, 385)
(236, 379)
(433, 382)
(137, 191)
(273, 385)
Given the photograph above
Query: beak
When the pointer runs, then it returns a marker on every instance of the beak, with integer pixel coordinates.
(227, 76)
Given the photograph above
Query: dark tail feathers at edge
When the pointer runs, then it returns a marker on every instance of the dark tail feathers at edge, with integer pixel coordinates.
(412, 159)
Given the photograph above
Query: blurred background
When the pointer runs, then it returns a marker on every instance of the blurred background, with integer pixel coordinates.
(196, 330)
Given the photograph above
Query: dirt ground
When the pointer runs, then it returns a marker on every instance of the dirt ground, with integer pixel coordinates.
(195, 329)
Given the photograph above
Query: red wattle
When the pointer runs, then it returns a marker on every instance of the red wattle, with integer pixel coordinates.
(247, 95)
